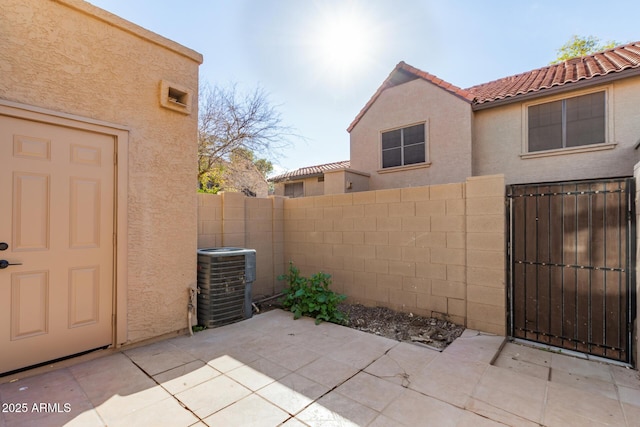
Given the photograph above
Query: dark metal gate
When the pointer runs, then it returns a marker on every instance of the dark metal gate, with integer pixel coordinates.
(570, 250)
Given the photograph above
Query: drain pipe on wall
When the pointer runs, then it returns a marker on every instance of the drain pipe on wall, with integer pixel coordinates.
(191, 308)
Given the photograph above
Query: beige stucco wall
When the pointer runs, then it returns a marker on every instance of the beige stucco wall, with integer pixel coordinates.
(342, 181)
(311, 186)
(499, 142)
(449, 124)
(71, 57)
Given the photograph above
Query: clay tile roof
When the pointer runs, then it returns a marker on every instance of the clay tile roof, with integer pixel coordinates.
(403, 73)
(614, 60)
(310, 171)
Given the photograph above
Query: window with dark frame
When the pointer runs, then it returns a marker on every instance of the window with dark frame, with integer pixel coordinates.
(402, 147)
(294, 189)
(566, 123)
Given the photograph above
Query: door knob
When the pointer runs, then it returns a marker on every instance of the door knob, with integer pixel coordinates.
(3, 246)
(4, 263)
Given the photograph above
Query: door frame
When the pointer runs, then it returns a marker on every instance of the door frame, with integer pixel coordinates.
(120, 135)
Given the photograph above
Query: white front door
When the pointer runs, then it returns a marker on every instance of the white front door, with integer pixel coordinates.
(57, 224)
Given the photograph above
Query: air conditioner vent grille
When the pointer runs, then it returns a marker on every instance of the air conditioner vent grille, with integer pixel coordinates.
(225, 276)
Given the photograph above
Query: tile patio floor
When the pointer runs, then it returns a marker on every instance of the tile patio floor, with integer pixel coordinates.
(271, 370)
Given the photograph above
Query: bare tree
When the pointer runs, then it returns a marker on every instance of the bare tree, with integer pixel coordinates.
(230, 120)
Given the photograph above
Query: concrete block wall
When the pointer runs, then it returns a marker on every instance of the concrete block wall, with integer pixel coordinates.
(209, 220)
(231, 219)
(435, 250)
(486, 257)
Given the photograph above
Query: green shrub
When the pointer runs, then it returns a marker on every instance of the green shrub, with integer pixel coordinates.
(311, 297)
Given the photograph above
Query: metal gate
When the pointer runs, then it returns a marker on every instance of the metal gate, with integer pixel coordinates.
(570, 253)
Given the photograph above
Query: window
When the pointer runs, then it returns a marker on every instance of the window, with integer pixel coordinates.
(566, 123)
(295, 189)
(406, 146)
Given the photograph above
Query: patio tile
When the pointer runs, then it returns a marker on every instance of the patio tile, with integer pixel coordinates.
(475, 346)
(232, 359)
(523, 367)
(581, 382)
(37, 388)
(157, 414)
(257, 374)
(577, 366)
(335, 410)
(269, 368)
(469, 419)
(512, 392)
(414, 409)
(213, 395)
(570, 406)
(293, 392)
(629, 395)
(252, 411)
(490, 412)
(57, 388)
(401, 363)
(632, 414)
(159, 357)
(449, 379)
(328, 372)
(294, 422)
(119, 404)
(293, 357)
(524, 353)
(383, 421)
(86, 418)
(625, 376)
(121, 379)
(362, 352)
(186, 376)
(370, 391)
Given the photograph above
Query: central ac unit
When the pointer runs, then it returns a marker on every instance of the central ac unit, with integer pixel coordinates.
(225, 276)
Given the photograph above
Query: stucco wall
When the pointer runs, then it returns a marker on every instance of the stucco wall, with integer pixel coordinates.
(71, 57)
(448, 119)
(499, 141)
(342, 181)
(311, 186)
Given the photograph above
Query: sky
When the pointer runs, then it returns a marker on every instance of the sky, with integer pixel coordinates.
(321, 61)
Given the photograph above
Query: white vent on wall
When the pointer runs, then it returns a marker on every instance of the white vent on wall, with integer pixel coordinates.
(225, 276)
(175, 97)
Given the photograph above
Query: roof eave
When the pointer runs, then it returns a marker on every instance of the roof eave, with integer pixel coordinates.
(418, 74)
(567, 87)
(295, 178)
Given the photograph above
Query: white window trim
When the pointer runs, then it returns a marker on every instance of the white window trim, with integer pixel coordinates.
(427, 157)
(608, 144)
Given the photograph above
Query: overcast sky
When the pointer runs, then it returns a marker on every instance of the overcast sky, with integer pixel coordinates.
(321, 61)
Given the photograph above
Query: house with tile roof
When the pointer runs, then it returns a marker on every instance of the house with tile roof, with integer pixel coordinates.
(578, 119)
(329, 178)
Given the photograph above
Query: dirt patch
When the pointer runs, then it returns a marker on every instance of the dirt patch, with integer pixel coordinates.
(401, 326)
(395, 325)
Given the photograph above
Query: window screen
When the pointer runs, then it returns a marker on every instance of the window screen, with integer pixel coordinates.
(570, 122)
(295, 189)
(404, 146)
